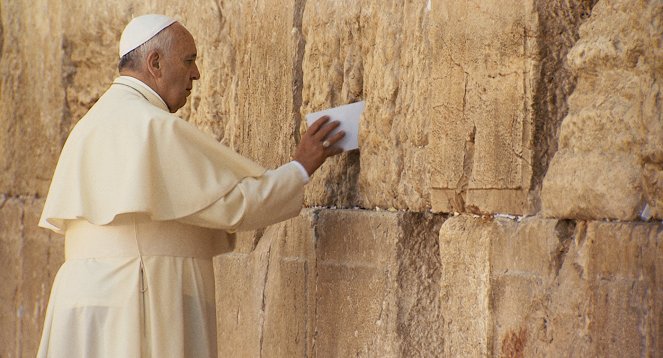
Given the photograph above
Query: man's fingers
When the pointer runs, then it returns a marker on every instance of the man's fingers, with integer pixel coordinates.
(315, 127)
(336, 137)
(325, 130)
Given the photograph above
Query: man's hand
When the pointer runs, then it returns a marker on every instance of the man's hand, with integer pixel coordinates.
(315, 146)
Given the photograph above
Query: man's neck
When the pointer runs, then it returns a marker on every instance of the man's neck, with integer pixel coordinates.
(146, 81)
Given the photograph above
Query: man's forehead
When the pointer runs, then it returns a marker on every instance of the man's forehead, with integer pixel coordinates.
(184, 39)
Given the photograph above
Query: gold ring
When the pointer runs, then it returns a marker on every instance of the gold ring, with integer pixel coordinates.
(326, 144)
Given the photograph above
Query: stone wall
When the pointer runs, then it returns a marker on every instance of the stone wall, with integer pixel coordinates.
(506, 199)
(611, 143)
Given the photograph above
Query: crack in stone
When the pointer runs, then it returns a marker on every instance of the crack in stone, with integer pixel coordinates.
(297, 67)
(2, 34)
(556, 83)
(565, 233)
(468, 161)
(20, 287)
(67, 80)
(257, 235)
(264, 296)
(3, 200)
(314, 223)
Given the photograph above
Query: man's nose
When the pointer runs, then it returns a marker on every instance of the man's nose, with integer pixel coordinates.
(196, 73)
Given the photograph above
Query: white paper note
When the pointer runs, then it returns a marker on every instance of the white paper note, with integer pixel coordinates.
(348, 115)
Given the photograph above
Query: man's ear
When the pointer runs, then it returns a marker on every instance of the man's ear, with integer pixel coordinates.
(153, 63)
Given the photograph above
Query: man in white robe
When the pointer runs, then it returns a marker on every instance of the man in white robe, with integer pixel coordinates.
(144, 198)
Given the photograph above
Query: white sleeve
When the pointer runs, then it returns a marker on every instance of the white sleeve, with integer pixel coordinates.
(302, 170)
(275, 196)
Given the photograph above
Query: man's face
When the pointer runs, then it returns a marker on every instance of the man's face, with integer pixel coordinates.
(178, 69)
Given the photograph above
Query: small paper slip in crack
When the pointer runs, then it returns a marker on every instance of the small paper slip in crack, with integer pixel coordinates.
(348, 115)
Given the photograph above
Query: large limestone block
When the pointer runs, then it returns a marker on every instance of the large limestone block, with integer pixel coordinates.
(464, 290)
(375, 51)
(498, 94)
(525, 262)
(356, 298)
(482, 115)
(265, 296)
(256, 78)
(10, 261)
(615, 193)
(32, 120)
(334, 283)
(377, 279)
(238, 280)
(542, 287)
(30, 258)
(610, 162)
(626, 267)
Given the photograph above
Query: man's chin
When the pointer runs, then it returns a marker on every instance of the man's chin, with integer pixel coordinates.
(177, 107)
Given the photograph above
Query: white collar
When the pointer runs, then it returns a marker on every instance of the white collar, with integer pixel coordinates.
(142, 84)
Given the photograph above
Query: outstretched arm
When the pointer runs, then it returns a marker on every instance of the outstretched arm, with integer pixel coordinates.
(275, 196)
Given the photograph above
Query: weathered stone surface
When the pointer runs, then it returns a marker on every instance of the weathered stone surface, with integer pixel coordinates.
(610, 161)
(10, 261)
(626, 267)
(377, 278)
(464, 290)
(464, 105)
(259, 50)
(376, 51)
(616, 193)
(264, 296)
(499, 92)
(329, 283)
(238, 297)
(419, 277)
(542, 287)
(482, 114)
(31, 97)
(30, 258)
(356, 295)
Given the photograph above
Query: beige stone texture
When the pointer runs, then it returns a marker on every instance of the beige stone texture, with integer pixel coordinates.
(10, 261)
(610, 161)
(256, 49)
(375, 51)
(469, 109)
(330, 283)
(499, 93)
(29, 258)
(464, 290)
(482, 119)
(264, 296)
(543, 287)
(32, 116)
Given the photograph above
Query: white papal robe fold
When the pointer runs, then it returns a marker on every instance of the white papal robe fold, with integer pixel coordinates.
(145, 200)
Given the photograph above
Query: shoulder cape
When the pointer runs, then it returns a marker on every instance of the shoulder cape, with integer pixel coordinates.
(128, 154)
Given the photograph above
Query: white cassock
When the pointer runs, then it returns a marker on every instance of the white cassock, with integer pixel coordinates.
(144, 200)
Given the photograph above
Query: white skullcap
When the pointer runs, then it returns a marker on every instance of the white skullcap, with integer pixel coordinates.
(141, 29)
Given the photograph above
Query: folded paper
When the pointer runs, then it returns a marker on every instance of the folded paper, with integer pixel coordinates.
(348, 115)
